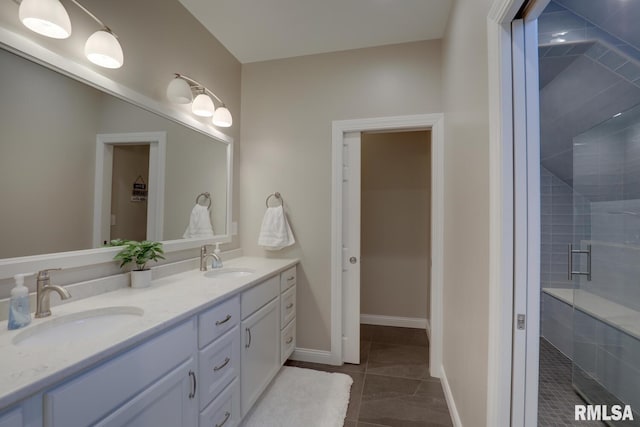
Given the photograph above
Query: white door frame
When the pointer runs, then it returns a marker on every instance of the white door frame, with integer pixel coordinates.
(504, 369)
(105, 142)
(434, 122)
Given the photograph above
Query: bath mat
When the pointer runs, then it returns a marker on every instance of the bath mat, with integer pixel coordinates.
(302, 397)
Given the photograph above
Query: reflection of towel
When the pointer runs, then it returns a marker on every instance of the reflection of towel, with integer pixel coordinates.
(199, 223)
(275, 233)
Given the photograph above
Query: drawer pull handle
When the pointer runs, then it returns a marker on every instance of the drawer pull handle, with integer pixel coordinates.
(290, 278)
(192, 394)
(226, 362)
(290, 305)
(289, 340)
(226, 418)
(226, 319)
(248, 344)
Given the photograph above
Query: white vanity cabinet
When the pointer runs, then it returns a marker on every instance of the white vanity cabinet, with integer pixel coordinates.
(287, 313)
(219, 364)
(152, 384)
(207, 370)
(260, 328)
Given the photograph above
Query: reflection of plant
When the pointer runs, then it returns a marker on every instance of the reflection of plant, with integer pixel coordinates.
(116, 242)
(138, 253)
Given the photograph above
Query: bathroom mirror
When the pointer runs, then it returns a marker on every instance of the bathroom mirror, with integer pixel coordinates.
(49, 134)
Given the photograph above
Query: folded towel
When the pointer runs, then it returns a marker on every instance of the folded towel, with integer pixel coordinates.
(199, 223)
(275, 233)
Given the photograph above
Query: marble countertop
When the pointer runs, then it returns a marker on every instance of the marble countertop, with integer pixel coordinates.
(25, 371)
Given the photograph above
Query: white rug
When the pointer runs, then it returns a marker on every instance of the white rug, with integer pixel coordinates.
(302, 397)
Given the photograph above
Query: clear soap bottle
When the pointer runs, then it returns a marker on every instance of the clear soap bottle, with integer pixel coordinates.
(19, 310)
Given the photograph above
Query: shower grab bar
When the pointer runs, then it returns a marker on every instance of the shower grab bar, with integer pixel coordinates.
(570, 254)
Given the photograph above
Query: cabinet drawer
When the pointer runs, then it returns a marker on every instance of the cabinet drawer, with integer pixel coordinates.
(218, 365)
(225, 410)
(287, 341)
(90, 396)
(287, 306)
(259, 295)
(287, 279)
(218, 320)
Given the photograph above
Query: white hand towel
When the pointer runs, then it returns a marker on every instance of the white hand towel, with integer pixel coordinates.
(199, 223)
(275, 233)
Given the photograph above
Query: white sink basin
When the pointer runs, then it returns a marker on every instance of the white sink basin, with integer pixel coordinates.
(228, 273)
(77, 326)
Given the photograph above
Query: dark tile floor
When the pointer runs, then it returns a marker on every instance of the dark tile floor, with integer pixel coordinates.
(556, 397)
(391, 386)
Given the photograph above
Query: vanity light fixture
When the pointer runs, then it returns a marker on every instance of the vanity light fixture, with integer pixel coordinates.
(181, 90)
(49, 18)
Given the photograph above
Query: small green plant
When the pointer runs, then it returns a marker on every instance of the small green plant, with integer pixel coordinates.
(139, 253)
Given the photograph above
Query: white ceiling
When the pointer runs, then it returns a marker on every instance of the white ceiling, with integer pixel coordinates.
(259, 30)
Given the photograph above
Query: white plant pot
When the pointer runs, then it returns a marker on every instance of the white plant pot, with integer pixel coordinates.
(140, 278)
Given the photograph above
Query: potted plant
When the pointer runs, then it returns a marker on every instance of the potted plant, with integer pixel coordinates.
(139, 253)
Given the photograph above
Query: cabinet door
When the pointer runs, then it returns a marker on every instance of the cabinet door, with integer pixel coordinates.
(11, 419)
(260, 360)
(171, 401)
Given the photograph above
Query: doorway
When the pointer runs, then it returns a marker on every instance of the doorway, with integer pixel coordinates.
(105, 146)
(395, 228)
(345, 330)
(130, 174)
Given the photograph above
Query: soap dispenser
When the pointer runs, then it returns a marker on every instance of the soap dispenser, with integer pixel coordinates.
(217, 260)
(19, 310)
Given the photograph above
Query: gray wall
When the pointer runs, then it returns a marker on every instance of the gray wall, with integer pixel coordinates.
(466, 209)
(395, 226)
(287, 108)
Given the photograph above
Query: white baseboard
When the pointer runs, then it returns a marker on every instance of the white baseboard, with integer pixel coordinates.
(401, 322)
(313, 356)
(453, 411)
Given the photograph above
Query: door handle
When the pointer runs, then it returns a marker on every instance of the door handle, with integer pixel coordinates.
(221, 322)
(353, 260)
(225, 363)
(570, 271)
(248, 344)
(194, 385)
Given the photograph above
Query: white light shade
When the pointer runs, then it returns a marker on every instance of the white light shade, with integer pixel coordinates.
(222, 117)
(46, 17)
(203, 106)
(179, 91)
(103, 49)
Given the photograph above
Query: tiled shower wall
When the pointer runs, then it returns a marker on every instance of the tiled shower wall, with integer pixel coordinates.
(565, 218)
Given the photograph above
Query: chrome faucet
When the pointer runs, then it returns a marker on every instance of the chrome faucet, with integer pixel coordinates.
(204, 256)
(43, 289)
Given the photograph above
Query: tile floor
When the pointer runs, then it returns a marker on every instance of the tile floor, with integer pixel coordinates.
(391, 386)
(556, 397)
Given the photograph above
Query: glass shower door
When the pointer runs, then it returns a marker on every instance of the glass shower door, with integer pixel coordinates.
(604, 263)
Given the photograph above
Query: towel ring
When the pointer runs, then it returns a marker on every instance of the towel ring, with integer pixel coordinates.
(207, 196)
(277, 196)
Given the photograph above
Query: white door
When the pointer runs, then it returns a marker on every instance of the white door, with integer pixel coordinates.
(526, 157)
(351, 248)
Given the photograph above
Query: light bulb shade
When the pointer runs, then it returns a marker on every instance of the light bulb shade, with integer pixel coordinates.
(203, 106)
(222, 117)
(46, 17)
(103, 49)
(179, 91)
